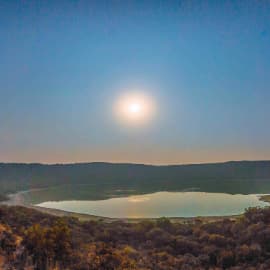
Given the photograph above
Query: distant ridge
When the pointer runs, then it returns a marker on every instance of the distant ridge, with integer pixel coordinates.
(132, 163)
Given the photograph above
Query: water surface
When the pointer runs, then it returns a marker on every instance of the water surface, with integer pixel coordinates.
(159, 204)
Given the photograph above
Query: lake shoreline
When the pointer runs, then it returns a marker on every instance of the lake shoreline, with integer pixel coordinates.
(265, 197)
(17, 199)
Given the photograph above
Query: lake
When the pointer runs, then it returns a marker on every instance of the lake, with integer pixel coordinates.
(161, 204)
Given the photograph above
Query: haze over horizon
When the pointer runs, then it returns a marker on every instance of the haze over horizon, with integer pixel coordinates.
(202, 67)
(134, 163)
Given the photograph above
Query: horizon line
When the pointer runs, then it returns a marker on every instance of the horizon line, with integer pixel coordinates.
(130, 163)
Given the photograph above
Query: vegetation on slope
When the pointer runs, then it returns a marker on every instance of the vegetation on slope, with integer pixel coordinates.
(265, 198)
(3, 197)
(218, 177)
(32, 240)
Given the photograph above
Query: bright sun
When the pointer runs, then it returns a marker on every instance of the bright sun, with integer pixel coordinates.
(134, 108)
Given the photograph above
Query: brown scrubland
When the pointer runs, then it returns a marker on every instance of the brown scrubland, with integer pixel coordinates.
(30, 239)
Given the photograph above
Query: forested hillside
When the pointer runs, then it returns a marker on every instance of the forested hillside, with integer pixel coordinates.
(15, 177)
(32, 240)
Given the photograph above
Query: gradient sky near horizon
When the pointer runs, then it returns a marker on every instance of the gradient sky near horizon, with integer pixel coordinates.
(63, 65)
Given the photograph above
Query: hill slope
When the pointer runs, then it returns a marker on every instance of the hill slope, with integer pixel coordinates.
(14, 176)
(32, 240)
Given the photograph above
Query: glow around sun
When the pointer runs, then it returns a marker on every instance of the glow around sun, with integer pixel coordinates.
(134, 108)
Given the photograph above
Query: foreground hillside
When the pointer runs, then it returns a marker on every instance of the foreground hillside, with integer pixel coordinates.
(217, 177)
(32, 240)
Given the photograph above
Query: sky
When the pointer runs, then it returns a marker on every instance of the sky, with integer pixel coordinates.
(65, 64)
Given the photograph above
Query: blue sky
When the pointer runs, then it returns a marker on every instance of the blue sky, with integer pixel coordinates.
(205, 63)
